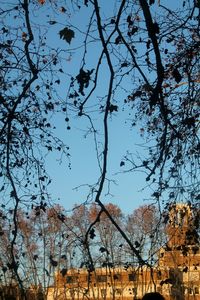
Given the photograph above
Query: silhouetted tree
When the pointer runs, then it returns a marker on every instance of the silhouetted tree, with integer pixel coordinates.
(140, 57)
(148, 73)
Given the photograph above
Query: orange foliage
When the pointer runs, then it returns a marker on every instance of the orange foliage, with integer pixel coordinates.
(113, 209)
(145, 217)
(42, 1)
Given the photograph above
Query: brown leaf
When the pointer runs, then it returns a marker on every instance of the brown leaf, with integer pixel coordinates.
(42, 2)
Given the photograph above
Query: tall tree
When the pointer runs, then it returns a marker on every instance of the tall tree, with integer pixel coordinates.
(139, 52)
(146, 231)
(109, 241)
(141, 57)
(30, 74)
(142, 42)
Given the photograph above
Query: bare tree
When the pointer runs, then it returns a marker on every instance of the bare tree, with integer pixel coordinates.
(146, 231)
(30, 73)
(148, 56)
(142, 42)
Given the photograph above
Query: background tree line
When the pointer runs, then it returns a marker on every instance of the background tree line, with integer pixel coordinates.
(49, 240)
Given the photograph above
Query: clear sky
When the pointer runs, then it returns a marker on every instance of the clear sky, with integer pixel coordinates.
(125, 192)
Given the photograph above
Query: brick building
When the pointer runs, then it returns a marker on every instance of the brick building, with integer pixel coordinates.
(176, 274)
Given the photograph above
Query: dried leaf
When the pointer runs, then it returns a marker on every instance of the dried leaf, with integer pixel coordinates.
(122, 163)
(177, 75)
(63, 9)
(52, 22)
(42, 2)
(67, 34)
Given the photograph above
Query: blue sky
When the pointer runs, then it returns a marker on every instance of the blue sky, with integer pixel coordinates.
(69, 185)
(84, 170)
